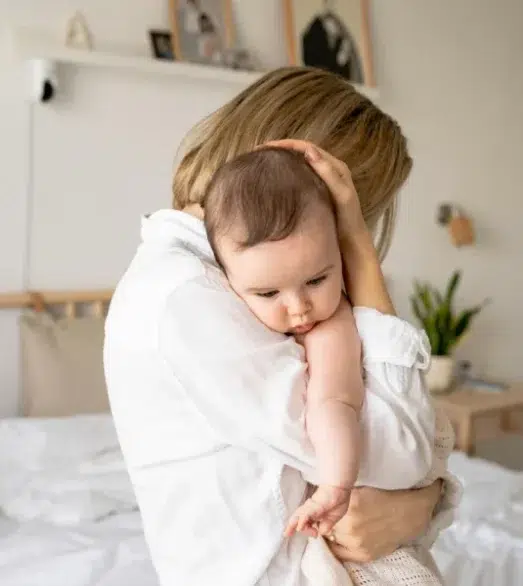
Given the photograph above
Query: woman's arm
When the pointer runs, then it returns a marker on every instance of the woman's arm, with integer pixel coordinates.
(378, 521)
(363, 275)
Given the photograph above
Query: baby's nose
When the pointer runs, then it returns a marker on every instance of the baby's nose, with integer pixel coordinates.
(298, 305)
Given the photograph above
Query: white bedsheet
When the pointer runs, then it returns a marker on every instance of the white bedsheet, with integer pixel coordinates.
(484, 546)
(80, 526)
(68, 515)
(108, 553)
(64, 471)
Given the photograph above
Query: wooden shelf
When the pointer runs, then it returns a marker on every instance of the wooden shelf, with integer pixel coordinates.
(30, 44)
(33, 45)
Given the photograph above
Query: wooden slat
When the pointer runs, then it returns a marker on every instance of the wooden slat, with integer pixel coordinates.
(98, 308)
(70, 309)
(366, 49)
(288, 19)
(26, 299)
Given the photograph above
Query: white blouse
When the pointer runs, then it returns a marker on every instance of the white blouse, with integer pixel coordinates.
(208, 405)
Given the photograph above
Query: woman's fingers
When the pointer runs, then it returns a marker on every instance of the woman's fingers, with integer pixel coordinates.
(338, 179)
(333, 171)
(312, 152)
(349, 555)
(342, 189)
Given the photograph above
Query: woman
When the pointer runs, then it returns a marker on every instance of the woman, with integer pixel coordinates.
(206, 400)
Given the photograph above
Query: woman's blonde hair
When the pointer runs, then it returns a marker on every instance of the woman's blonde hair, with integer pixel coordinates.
(308, 104)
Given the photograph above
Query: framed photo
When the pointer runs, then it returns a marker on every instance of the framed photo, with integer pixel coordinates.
(202, 29)
(331, 34)
(161, 44)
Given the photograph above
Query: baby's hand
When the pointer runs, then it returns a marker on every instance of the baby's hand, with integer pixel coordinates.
(319, 513)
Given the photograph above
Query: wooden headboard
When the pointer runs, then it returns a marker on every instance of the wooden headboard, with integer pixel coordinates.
(66, 302)
(61, 361)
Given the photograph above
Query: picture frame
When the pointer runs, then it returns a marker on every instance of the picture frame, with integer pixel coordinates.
(202, 30)
(331, 34)
(161, 44)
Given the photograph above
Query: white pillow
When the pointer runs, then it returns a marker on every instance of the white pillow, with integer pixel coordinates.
(63, 471)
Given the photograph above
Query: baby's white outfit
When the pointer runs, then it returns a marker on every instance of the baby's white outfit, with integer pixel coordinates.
(408, 566)
(208, 405)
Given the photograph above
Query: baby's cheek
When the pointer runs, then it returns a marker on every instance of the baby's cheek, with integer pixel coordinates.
(330, 302)
(269, 313)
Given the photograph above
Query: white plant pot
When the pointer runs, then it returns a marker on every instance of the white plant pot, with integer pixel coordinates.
(440, 374)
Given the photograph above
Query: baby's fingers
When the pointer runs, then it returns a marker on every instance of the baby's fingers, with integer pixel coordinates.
(310, 531)
(304, 522)
(292, 525)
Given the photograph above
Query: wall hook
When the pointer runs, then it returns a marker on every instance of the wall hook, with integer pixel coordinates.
(459, 225)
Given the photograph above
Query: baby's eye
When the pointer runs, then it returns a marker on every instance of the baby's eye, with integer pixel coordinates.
(268, 294)
(317, 281)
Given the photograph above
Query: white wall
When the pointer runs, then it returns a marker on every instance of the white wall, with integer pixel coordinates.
(102, 154)
(452, 73)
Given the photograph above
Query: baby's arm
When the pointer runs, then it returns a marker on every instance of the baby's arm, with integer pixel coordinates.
(334, 398)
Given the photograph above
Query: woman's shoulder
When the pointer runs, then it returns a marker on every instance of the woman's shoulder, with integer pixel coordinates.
(206, 308)
(157, 281)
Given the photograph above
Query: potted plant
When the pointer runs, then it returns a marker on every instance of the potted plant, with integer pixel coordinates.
(444, 327)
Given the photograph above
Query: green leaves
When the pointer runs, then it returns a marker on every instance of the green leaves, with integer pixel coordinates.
(436, 315)
(452, 286)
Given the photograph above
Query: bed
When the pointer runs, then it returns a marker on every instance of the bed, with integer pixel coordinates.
(484, 546)
(70, 519)
(68, 516)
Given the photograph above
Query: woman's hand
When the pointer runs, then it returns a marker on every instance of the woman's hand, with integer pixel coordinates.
(338, 178)
(363, 278)
(379, 521)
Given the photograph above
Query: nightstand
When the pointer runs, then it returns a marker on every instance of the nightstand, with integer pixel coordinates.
(463, 406)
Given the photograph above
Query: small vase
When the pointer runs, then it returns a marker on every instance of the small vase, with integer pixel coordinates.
(440, 374)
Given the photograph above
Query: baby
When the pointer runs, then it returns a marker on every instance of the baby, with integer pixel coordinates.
(289, 273)
(272, 227)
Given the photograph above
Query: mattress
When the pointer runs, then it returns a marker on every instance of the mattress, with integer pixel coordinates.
(69, 517)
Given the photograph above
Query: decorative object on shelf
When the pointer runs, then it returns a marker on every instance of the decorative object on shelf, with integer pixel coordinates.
(331, 34)
(444, 326)
(238, 59)
(459, 225)
(202, 30)
(464, 379)
(78, 35)
(161, 44)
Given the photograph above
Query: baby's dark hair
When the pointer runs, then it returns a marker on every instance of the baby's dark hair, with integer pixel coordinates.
(266, 192)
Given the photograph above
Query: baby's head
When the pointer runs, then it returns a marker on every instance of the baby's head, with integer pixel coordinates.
(271, 224)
